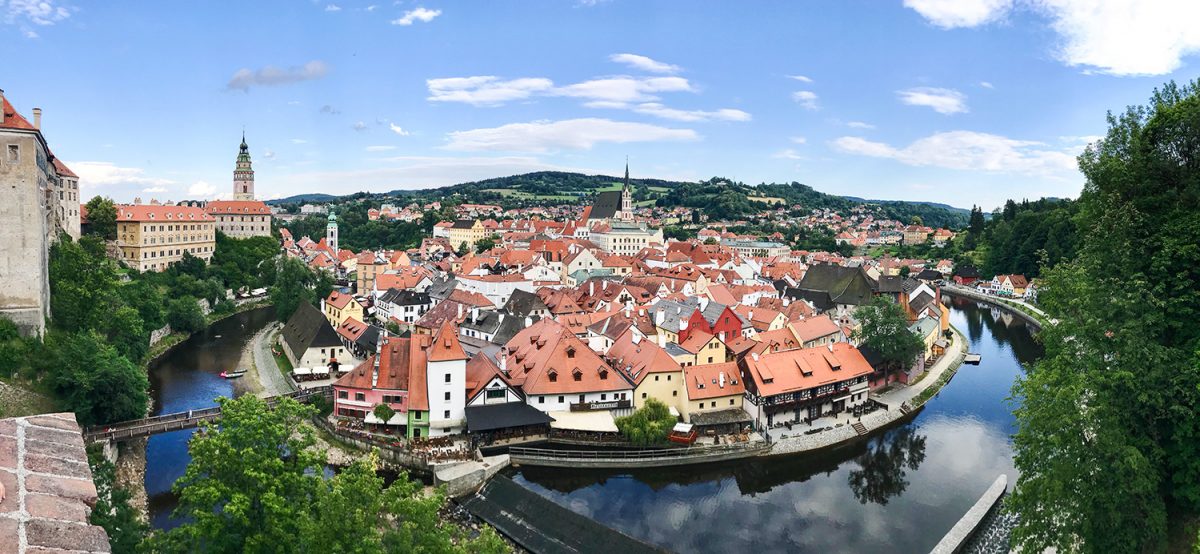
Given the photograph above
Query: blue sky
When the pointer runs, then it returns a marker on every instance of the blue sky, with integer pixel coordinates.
(958, 101)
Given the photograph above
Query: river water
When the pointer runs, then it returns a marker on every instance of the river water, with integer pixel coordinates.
(187, 378)
(896, 492)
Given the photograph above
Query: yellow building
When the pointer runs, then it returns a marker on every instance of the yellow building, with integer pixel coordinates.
(150, 238)
(712, 388)
(467, 231)
(339, 307)
(241, 219)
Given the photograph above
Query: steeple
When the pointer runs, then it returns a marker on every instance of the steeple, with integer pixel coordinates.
(243, 173)
(626, 212)
(626, 172)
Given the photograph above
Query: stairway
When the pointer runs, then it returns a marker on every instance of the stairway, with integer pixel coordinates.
(859, 428)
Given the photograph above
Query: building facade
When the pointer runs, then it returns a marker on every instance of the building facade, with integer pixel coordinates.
(243, 174)
(151, 237)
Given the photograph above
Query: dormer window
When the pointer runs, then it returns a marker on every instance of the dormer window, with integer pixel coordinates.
(553, 376)
(577, 374)
(570, 351)
(604, 374)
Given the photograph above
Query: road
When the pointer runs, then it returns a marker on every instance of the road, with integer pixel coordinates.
(272, 380)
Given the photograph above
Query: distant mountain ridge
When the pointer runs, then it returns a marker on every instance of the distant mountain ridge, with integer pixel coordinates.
(718, 197)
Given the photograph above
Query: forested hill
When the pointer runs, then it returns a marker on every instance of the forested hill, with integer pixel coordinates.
(720, 198)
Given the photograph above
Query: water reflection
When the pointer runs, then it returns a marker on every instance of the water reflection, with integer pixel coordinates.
(881, 474)
(898, 492)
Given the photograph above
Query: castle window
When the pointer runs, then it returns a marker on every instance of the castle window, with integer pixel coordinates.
(14, 153)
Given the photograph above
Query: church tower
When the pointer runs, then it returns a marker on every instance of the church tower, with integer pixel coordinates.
(331, 238)
(243, 174)
(626, 213)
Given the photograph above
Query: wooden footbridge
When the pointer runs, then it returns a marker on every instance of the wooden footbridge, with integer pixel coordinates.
(190, 419)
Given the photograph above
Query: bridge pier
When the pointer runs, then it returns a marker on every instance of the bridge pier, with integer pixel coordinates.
(109, 448)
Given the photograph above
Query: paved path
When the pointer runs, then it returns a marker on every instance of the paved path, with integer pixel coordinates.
(272, 380)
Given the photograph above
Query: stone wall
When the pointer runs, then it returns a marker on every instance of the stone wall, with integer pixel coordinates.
(159, 334)
(48, 489)
(957, 538)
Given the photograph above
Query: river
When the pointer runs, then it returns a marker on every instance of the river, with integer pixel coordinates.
(898, 491)
(186, 378)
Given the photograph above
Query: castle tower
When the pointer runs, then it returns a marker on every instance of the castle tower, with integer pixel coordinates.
(331, 238)
(243, 174)
(626, 213)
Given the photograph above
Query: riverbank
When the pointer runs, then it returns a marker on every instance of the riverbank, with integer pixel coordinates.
(167, 343)
(1024, 310)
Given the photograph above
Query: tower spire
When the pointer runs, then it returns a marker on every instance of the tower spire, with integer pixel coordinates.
(626, 172)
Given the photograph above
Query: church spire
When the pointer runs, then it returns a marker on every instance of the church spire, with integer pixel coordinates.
(626, 172)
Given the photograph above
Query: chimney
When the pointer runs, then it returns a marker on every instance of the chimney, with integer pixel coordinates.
(460, 311)
(1, 105)
(528, 321)
(683, 323)
(703, 303)
(474, 315)
(37, 118)
(504, 365)
(722, 382)
(137, 200)
(659, 315)
(754, 355)
(591, 288)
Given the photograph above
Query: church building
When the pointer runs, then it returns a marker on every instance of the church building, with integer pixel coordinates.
(613, 205)
(242, 217)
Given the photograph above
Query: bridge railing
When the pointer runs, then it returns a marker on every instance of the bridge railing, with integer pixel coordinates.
(184, 420)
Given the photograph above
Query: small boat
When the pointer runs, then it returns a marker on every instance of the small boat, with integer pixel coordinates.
(972, 358)
(233, 374)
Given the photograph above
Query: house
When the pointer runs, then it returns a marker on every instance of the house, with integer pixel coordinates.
(715, 395)
(557, 372)
(340, 306)
(966, 275)
(466, 232)
(804, 384)
(653, 372)
(1010, 285)
(309, 340)
(360, 339)
(402, 305)
(835, 288)
(526, 304)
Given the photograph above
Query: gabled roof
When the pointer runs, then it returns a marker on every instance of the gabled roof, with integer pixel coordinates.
(308, 328)
(546, 348)
(641, 358)
(339, 300)
(523, 303)
(606, 206)
(713, 381)
(795, 370)
(445, 345)
(833, 285)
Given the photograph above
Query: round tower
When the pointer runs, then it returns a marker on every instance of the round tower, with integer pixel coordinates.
(331, 233)
(243, 174)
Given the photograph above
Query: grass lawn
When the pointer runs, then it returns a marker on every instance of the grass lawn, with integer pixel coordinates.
(281, 359)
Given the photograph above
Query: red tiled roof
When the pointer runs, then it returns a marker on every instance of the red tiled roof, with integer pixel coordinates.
(12, 119)
(705, 381)
(162, 214)
(547, 348)
(62, 168)
(445, 345)
(795, 370)
(235, 207)
(339, 300)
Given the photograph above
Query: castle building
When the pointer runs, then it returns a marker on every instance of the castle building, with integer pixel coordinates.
(242, 217)
(39, 200)
(331, 234)
(152, 237)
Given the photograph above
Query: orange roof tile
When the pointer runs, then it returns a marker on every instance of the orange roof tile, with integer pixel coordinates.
(161, 214)
(236, 207)
(705, 381)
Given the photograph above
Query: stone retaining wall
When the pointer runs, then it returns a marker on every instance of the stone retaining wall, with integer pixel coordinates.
(967, 293)
(961, 533)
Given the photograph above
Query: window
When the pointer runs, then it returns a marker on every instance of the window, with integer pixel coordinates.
(542, 399)
(553, 377)
(447, 377)
(603, 396)
(643, 396)
(655, 378)
(447, 396)
(710, 359)
(581, 399)
(674, 393)
(714, 403)
(446, 414)
(494, 394)
(343, 394)
(730, 401)
(360, 397)
(14, 153)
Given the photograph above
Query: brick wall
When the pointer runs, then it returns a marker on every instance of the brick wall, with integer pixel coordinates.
(48, 487)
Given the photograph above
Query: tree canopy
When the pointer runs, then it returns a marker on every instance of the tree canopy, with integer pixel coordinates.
(885, 330)
(102, 217)
(1107, 422)
(647, 425)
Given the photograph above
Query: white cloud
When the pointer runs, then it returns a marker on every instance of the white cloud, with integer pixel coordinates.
(201, 189)
(299, 141)
(969, 150)
(333, 8)
(787, 154)
(371, 8)
(575, 134)
(380, 148)
(419, 14)
(949, 14)
(624, 88)
(659, 110)
(942, 100)
(397, 129)
(1125, 37)
(645, 64)
(798, 140)
(860, 125)
(360, 126)
(985, 84)
(806, 98)
(155, 190)
(268, 154)
(801, 78)
(484, 90)
(102, 174)
(271, 76)
(37, 12)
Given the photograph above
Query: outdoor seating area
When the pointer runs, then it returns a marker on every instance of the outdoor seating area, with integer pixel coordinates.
(302, 374)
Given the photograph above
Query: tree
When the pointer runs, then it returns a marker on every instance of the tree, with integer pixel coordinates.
(102, 217)
(463, 249)
(885, 330)
(94, 381)
(120, 520)
(1109, 419)
(484, 244)
(256, 484)
(292, 282)
(127, 334)
(649, 424)
(83, 284)
(185, 316)
(384, 412)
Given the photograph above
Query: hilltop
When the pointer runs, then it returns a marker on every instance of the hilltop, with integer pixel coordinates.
(719, 197)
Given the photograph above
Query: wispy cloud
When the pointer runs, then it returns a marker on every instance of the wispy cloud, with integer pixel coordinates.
(298, 141)
(330, 110)
(860, 125)
(333, 8)
(968, 150)
(787, 154)
(806, 98)
(571, 134)
(645, 64)
(103, 174)
(155, 190)
(801, 78)
(420, 14)
(661, 111)
(942, 100)
(360, 126)
(624, 88)
(798, 140)
(985, 84)
(949, 14)
(201, 189)
(397, 129)
(35, 12)
(484, 90)
(274, 76)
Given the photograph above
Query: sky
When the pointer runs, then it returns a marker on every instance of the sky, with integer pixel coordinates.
(957, 101)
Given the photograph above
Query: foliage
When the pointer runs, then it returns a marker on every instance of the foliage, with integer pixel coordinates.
(294, 284)
(1029, 237)
(357, 232)
(881, 472)
(1106, 442)
(484, 244)
(647, 425)
(885, 330)
(384, 412)
(255, 484)
(83, 284)
(92, 378)
(120, 520)
(184, 315)
(102, 217)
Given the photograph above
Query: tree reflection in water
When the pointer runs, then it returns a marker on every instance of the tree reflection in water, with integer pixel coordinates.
(883, 468)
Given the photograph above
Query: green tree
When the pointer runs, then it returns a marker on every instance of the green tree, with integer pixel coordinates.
(292, 287)
(126, 332)
(120, 520)
(647, 425)
(185, 316)
(102, 217)
(484, 244)
(885, 330)
(95, 381)
(1107, 422)
(384, 412)
(83, 284)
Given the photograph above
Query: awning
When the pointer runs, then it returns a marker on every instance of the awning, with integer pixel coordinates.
(683, 428)
(941, 343)
(302, 371)
(504, 416)
(398, 419)
(599, 421)
(722, 417)
(673, 411)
